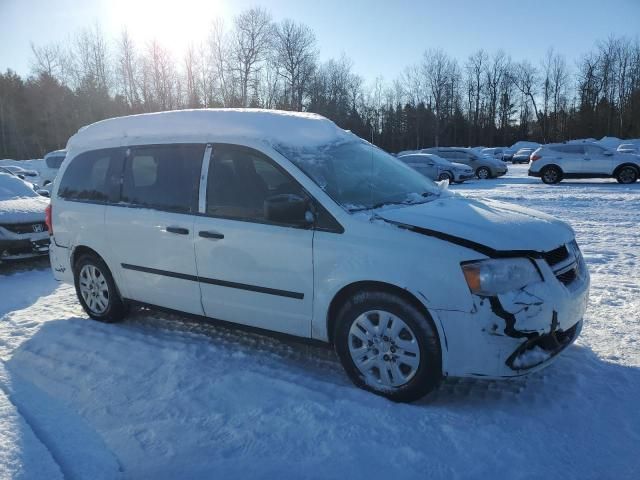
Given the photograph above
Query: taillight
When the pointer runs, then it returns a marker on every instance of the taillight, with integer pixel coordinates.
(535, 157)
(47, 219)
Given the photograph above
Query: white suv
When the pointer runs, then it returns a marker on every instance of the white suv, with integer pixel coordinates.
(283, 222)
(556, 161)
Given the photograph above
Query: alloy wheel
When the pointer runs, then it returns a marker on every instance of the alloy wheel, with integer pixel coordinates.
(94, 289)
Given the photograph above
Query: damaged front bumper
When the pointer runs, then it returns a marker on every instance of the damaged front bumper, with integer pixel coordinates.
(24, 248)
(521, 331)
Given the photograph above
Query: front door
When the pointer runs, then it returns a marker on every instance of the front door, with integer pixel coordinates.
(151, 230)
(252, 271)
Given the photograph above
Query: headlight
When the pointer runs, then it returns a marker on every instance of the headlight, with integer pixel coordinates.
(492, 277)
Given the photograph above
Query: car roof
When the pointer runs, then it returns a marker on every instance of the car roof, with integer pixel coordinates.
(271, 126)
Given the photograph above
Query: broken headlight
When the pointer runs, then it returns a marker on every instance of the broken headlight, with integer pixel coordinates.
(492, 277)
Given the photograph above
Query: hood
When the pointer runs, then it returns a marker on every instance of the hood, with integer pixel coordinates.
(497, 225)
(23, 210)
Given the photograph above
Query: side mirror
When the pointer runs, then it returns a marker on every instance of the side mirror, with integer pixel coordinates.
(44, 193)
(608, 153)
(289, 209)
(20, 176)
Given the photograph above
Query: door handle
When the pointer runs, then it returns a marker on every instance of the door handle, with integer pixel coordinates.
(178, 230)
(213, 235)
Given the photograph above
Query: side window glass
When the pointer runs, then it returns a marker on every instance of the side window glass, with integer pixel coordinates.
(241, 179)
(163, 177)
(593, 150)
(87, 176)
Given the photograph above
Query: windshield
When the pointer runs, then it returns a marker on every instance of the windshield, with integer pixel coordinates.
(360, 176)
(12, 187)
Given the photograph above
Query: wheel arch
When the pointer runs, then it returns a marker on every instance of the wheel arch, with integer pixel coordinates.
(626, 164)
(353, 288)
(80, 250)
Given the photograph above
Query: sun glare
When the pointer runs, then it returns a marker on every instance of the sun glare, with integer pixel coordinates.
(174, 23)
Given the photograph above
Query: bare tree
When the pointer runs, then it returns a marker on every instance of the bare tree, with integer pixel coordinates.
(295, 53)
(127, 69)
(437, 70)
(251, 42)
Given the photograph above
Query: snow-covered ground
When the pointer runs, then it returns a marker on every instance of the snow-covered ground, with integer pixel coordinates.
(163, 397)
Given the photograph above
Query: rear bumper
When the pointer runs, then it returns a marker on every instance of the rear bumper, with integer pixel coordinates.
(17, 249)
(60, 262)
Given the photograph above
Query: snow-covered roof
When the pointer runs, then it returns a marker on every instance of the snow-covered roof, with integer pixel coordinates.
(62, 151)
(271, 126)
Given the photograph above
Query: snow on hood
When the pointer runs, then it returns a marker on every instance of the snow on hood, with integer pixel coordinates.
(271, 126)
(497, 225)
(23, 210)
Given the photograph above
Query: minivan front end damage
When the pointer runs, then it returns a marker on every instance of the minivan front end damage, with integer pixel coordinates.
(522, 330)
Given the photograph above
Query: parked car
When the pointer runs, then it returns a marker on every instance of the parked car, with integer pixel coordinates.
(21, 172)
(509, 152)
(483, 166)
(32, 186)
(628, 148)
(556, 161)
(52, 162)
(23, 232)
(284, 222)
(522, 155)
(497, 152)
(437, 168)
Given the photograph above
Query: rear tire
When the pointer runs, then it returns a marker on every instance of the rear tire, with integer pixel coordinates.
(483, 173)
(96, 290)
(551, 175)
(627, 175)
(388, 346)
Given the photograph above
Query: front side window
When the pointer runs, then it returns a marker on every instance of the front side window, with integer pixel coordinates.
(594, 150)
(87, 176)
(241, 180)
(360, 176)
(163, 177)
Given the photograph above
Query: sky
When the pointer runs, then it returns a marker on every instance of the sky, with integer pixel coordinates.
(380, 37)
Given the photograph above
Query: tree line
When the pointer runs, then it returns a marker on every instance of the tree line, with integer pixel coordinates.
(488, 99)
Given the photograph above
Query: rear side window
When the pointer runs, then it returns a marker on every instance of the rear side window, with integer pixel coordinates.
(572, 149)
(54, 162)
(89, 176)
(163, 177)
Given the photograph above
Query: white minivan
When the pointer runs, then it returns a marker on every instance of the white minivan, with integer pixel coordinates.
(284, 222)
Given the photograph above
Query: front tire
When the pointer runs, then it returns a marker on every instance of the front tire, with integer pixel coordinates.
(445, 176)
(627, 175)
(483, 173)
(96, 290)
(388, 346)
(551, 175)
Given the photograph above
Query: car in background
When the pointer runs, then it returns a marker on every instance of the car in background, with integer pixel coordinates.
(556, 161)
(496, 152)
(522, 155)
(437, 168)
(518, 145)
(628, 148)
(52, 162)
(483, 166)
(23, 230)
(21, 172)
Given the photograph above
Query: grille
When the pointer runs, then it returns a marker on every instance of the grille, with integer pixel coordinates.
(556, 256)
(26, 227)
